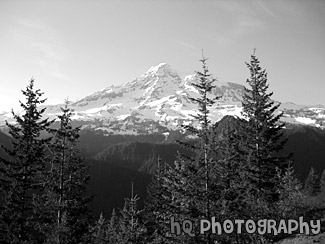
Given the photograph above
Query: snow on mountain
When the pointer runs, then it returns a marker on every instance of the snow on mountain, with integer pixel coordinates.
(302, 114)
(158, 101)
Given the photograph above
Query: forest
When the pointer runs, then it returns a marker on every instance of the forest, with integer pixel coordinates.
(235, 172)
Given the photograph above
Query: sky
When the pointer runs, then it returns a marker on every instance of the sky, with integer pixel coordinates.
(73, 48)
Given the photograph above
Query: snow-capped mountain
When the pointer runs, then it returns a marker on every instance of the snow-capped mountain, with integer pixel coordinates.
(158, 101)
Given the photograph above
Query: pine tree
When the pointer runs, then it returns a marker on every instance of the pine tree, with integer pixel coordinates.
(193, 182)
(112, 231)
(291, 199)
(312, 183)
(233, 196)
(156, 208)
(257, 146)
(22, 173)
(99, 231)
(314, 205)
(130, 225)
(205, 133)
(262, 135)
(106, 232)
(66, 186)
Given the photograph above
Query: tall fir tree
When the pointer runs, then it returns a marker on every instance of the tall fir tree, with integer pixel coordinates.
(194, 181)
(63, 208)
(261, 141)
(262, 133)
(23, 171)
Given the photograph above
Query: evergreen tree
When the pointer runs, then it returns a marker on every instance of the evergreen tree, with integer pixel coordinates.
(260, 143)
(99, 231)
(130, 224)
(112, 231)
(312, 183)
(206, 145)
(106, 232)
(58, 234)
(233, 196)
(194, 182)
(64, 196)
(314, 205)
(22, 173)
(156, 208)
(291, 199)
(262, 135)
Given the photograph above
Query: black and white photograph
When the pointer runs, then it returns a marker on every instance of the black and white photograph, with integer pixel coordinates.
(162, 121)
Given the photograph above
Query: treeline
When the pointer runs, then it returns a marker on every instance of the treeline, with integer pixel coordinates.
(236, 173)
(97, 141)
(140, 156)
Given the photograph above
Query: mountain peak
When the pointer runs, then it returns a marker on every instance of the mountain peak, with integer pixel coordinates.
(161, 69)
(160, 99)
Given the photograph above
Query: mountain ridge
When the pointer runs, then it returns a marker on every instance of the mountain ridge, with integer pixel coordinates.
(158, 101)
